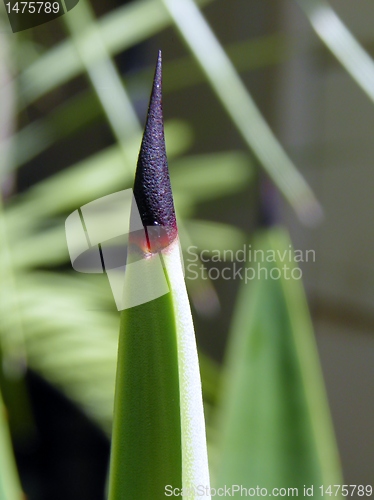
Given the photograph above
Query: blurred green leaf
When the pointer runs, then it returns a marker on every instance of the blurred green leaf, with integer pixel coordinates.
(43, 249)
(10, 488)
(101, 174)
(215, 236)
(340, 41)
(41, 134)
(201, 178)
(274, 427)
(103, 74)
(246, 55)
(120, 29)
(70, 330)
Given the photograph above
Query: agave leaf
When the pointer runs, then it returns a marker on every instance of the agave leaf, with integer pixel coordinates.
(146, 442)
(158, 429)
(194, 452)
(274, 425)
(158, 422)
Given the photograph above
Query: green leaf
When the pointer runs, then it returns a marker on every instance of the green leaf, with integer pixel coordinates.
(91, 178)
(103, 73)
(158, 429)
(40, 134)
(341, 42)
(246, 55)
(194, 450)
(214, 236)
(70, 337)
(119, 30)
(205, 177)
(274, 426)
(146, 442)
(10, 488)
(178, 74)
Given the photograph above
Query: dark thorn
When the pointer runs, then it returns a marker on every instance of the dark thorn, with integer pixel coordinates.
(152, 189)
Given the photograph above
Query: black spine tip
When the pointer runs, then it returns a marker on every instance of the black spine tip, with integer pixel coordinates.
(152, 189)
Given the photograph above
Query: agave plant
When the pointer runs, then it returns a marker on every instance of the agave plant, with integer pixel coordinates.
(158, 429)
(64, 325)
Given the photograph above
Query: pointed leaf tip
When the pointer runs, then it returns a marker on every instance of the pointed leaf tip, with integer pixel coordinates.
(152, 189)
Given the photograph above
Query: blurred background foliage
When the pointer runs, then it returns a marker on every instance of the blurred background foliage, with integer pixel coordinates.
(73, 99)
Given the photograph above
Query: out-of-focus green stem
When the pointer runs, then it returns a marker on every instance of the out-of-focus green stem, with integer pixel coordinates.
(340, 41)
(103, 74)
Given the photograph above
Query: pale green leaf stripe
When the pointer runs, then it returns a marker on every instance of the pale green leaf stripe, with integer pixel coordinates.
(121, 29)
(195, 470)
(10, 488)
(340, 41)
(274, 428)
(240, 106)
